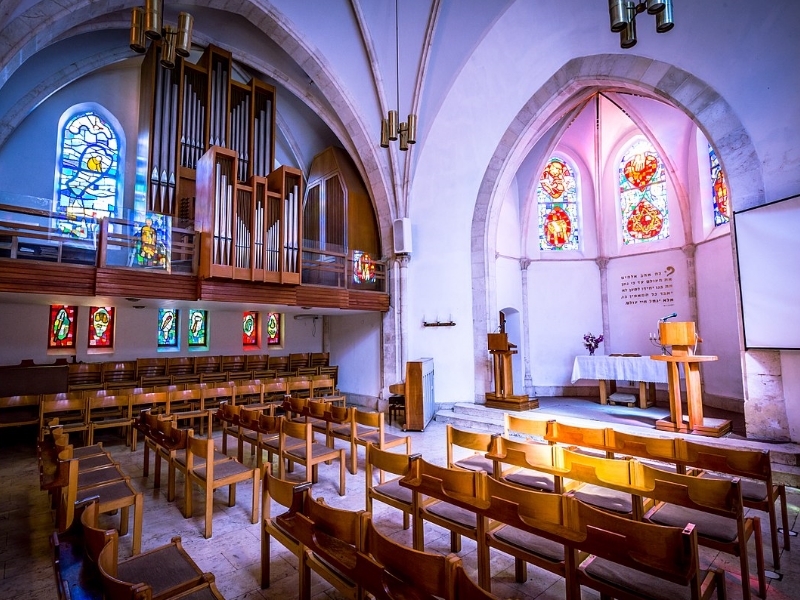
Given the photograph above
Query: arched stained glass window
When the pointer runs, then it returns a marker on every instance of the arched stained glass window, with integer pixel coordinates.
(89, 180)
(719, 190)
(557, 201)
(643, 194)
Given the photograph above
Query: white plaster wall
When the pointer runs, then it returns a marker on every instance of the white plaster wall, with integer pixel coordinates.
(356, 347)
(564, 304)
(717, 320)
(790, 369)
(24, 328)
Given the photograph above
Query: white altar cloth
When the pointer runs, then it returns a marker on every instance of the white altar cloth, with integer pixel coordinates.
(619, 368)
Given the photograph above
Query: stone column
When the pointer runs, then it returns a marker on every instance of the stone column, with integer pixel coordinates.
(527, 383)
(602, 264)
(402, 311)
(689, 251)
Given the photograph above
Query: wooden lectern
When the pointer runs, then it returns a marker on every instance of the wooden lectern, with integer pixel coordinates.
(503, 396)
(682, 337)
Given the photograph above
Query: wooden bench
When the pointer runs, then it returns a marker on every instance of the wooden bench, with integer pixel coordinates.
(16, 411)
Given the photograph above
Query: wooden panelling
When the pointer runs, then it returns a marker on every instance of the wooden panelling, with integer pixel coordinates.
(240, 291)
(145, 284)
(368, 301)
(29, 277)
(322, 297)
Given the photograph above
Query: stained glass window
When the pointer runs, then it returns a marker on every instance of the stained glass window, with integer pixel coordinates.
(643, 194)
(250, 329)
(152, 233)
(557, 198)
(198, 328)
(719, 190)
(62, 326)
(273, 329)
(101, 327)
(88, 183)
(167, 328)
(363, 267)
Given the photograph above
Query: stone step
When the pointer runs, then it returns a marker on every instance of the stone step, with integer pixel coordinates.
(466, 420)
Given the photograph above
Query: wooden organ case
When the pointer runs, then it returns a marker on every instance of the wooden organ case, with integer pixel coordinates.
(420, 402)
(210, 148)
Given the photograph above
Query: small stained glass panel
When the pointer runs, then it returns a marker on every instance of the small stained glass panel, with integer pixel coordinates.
(643, 195)
(557, 202)
(363, 267)
(273, 329)
(62, 326)
(101, 327)
(719, 190)
(250, 329)
(198, 328)
(167, 328)
(152, 234)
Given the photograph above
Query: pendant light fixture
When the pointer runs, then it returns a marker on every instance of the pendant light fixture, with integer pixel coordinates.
(622, 14)
(146, 24)
(391, 129)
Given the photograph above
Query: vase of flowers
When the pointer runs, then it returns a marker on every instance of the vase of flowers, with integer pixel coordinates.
(591, 342)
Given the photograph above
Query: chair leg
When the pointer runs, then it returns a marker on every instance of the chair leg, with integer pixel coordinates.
(520, 570)
(784, 516)
(138, 512)
(341, 472)
(773, 533)
(187, 496)
(455, 542)
(232, 494)
(353, 457)
(256, 481)
(209, 509)
(762, 578)
(124, 514)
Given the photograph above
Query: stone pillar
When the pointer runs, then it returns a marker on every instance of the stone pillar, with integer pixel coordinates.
(527, 383)
(402, 311)
(764, 399)
(689, 251)
(602, 264)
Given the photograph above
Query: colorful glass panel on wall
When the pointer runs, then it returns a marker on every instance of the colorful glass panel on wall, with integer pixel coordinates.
(557, 203)
(250, 329)
(167, 328)
(152, 246)
(363, 267)
(198, 328)
(101, 327)
(88, 174)
(62, 326)
(643, 195)
(273, 329)
(719, 190)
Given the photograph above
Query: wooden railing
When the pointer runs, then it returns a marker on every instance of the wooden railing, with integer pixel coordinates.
(335, 269)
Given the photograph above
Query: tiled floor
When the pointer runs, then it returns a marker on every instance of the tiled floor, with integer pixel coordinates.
(233, 553)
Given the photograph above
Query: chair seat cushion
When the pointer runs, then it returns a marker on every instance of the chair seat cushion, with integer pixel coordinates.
(752, 489)
(393, 489)
(529, 542)
(640, 584)
(532, 479)
(88, 451)
(224, 469)
(605, 498)
(94, 461)
(706, 525)
(476, 462)
(180, 458)
(163, 569)
(453, 513)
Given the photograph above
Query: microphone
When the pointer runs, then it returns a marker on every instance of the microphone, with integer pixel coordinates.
(665, 319)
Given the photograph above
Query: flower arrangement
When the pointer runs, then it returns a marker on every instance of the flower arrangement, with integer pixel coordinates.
(591, 342)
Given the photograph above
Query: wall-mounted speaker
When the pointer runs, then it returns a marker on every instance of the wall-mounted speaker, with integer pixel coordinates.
(402, 235)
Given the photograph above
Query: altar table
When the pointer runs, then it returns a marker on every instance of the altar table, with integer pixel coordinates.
(624, 368)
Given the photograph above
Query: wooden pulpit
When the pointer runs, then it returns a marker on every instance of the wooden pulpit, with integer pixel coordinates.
(682, 337)
(503, 395)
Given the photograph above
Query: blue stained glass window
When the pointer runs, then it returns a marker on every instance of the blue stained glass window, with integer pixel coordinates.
(167, 328)
(719, 190)
(557, 204)
(88, 184)
(643, 194)
(198, 328)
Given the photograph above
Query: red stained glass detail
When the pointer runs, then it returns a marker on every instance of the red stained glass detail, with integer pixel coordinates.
(640, 170)
(557, 227)
(552, 180)
(645, 221)
(721, 194)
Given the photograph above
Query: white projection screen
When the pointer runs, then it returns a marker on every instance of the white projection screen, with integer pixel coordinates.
(768, 249)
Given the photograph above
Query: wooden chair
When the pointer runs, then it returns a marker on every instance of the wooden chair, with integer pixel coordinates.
(479, 443)
(119, 374)
(233, 364)
(71, 410)
(533, 466)
(323, 385)
(329, 540)
(647, 448)
(446, 497)
(16, 411)
(296, 445)
(213, 377)
(105, 412)
(264, 374)
(286, 494)
(250, 433)
(84, 376)
(575, 435)
(164, 572)
(631, 560)
(157, 402)
(210, 475)
(248, 392)
(754, 468)
(180, 365)
(368, 428)
(278, 363)
(274, 391)
(306, 372)
(319, 359)
(214, 395)
(331, 371)
(299, 386)
(269, 428)
(715, 507)
(529, 525)
(256, 362)
(466, 589)
(188, 405)
(151, 367)
(74, 578)
(533, 430)
(389, 492)
(207, 364)
(427, 574)
(298, 360)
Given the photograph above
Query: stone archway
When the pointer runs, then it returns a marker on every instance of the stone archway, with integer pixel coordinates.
(765, 414)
